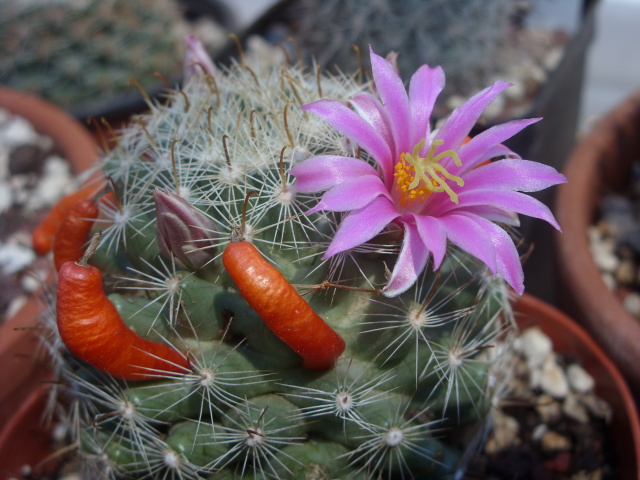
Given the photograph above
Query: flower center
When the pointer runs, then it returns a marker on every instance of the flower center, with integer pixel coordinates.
(418, 177)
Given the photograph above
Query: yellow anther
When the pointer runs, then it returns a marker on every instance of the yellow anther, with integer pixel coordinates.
(413, 171)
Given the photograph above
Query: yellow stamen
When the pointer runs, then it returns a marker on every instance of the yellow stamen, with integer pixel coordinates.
(418, 177)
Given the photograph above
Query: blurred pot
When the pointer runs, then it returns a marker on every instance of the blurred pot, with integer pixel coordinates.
(601, 162)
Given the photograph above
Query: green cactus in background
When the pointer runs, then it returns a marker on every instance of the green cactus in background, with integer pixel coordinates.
(473, 40)
(83, 53)
(418, 369)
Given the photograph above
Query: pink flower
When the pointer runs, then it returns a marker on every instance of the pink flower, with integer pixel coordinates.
(196, 59)
(431, 183)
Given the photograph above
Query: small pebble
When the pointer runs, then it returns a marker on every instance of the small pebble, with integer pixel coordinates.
(504, 434)
(586, 475)
(21, 190)
(4, 162)
(6, 199)
(539, 431)
(552, 58)
(594, 233)
(15, 306)
(604, 256)
(631, 303)
(572, 408)
(579, 380)
(548, 408)
(59, 432)
(626, 272)
(553, 442)
(29, 283)
(597, 407)
(14, 258)
(535, 378)
(54, 183)
(71, 476)
(535, 345)
(610, 281)
(553, 380)
(18, 132)
(516, 92)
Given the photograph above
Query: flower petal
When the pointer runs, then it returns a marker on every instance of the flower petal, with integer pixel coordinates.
(355, 128)
(475, 151)
(341, 198)
(515, 201)
(495, 214)
(456, 128)
(471, 237)
(424, 88)
(395, 100)
(373, 112)
(410, 263)
(508, 261)
(362, 225)
(320, 173)
(434, 237)
(511, 174)
(196, 59)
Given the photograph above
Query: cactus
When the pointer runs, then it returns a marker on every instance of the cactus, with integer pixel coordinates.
(80, 54)
(224, 161)
(473, 40)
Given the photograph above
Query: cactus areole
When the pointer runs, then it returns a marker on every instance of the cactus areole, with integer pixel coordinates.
(353, 330)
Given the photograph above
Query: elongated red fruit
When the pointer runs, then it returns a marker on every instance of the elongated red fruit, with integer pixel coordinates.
(43, 236)
(281, 307)
(70, 241)
(91, 327)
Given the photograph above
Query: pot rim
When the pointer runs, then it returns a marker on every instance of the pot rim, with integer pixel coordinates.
(585, 294)
(76, 143)
(570, 338)
(18, 343)
(24, 368)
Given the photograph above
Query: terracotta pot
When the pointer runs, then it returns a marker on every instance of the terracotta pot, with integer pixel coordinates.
(72, 139)
(23, 396)
(600, 162)
(24, 373)
(571, 339)
(24, 370)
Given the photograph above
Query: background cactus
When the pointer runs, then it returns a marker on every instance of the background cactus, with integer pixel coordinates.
(81, 53)
(418, 371)
(475, 41)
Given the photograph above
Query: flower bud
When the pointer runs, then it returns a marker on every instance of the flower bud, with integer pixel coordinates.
(196, 60)
(183, 231)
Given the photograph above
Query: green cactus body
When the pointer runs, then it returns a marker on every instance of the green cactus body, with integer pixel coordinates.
(416, 367)
(80, 53)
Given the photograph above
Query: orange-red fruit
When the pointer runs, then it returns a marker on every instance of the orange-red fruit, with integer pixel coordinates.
(71, 238)
(281, 307)
(44, 234)
(91, 327)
